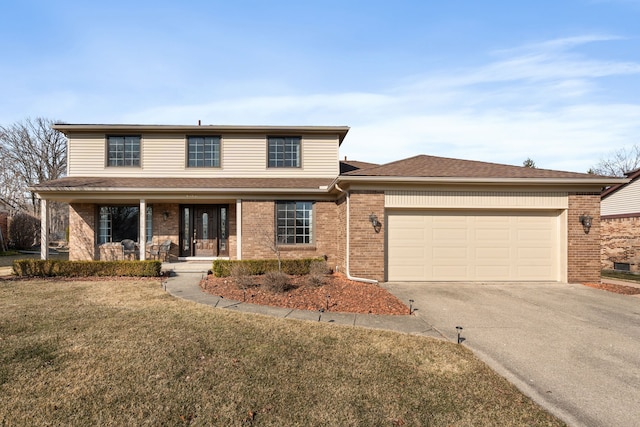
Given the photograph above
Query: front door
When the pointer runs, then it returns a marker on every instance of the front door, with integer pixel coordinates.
(204, 231)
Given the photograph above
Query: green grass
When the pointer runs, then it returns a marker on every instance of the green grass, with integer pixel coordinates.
(620, 275)
(122, 352)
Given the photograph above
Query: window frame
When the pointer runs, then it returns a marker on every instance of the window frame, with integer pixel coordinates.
(285, 139)
(310, 235)
(134, 162)
(216, 162)
(104, 230)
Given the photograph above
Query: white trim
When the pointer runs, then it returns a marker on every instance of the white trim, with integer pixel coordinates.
(142, 233)
(239, 229)
(44, 229)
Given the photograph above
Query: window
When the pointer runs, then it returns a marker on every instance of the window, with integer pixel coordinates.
(203, 151)
(284, 152)
(116, 223)
(123, 151)
(294, 222)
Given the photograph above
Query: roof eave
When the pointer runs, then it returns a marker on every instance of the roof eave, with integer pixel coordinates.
(341, 131)
(604, 181)
(189, 190)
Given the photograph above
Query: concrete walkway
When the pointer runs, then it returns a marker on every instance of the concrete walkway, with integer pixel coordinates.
(184, 283)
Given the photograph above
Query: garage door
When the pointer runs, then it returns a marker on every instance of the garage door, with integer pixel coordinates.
(473, 246)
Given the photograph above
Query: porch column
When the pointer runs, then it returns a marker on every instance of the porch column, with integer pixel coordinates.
(44, 229)
(239, 229)
(142, 234)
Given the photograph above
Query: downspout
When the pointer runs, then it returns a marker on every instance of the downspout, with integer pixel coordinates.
(349, 276)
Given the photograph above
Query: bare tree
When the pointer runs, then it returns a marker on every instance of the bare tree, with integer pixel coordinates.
(270, 241)
(529, 163)
(31, 153)
(618, 163)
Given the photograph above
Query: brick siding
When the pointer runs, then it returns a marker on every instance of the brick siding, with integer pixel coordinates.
(4, 226)
(366, 246)
(341, 235)
(583, 249)
(258, 222)
(82, 241)
(169, 229)
(620, 242)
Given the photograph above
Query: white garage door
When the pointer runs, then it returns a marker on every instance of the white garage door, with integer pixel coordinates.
(473, 246)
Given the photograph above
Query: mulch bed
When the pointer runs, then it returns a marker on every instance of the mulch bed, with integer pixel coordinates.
(618, 289)
(338, 294)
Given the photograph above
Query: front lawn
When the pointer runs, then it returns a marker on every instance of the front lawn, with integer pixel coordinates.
(122, 352)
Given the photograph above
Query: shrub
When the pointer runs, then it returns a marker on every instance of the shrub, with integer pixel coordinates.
(318, 271)
(24, 231)
(222, 268)
(60, 268)
(241, 274)
(276, 281)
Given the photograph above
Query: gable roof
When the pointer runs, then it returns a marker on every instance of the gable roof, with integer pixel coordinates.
(631, 176)
(444, 167)
(354, 165)
(6, 206)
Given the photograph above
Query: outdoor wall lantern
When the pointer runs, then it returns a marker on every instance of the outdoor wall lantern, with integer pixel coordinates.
(374, 221)
(586, 221)
(165, 215)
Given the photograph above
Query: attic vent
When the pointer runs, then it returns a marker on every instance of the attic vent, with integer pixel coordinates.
(621, 266)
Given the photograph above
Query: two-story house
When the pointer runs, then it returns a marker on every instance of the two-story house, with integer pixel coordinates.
(237, 191)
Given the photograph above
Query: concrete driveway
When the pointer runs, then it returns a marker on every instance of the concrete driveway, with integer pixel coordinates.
(573, 349)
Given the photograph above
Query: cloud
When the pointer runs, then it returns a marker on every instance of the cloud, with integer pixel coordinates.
(537, 100)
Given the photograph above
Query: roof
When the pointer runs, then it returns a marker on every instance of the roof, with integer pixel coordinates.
(443, 167)
(87, 184)
(5, 205)
(631, 176)
(353, 165)
(341, 131)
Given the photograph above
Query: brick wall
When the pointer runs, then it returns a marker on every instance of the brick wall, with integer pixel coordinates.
(4, 227)
(341, 236)
(620, 242)
(583, 249)
(82, 218)
(233, 232)
(258, 221)
(169, 229)
(366, 246)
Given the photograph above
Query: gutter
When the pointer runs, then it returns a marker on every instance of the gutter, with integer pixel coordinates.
(603, 181)
(349, 276)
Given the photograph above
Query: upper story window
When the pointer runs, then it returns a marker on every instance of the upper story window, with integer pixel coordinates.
(203, 151)
(123, 151)
(284, 152)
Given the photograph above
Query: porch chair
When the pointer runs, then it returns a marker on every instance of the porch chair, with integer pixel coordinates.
(128, 249)
(160, 251)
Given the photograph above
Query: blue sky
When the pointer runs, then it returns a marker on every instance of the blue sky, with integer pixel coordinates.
(498, 81)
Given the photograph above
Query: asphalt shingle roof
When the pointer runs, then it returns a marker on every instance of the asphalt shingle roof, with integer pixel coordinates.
(432, 166)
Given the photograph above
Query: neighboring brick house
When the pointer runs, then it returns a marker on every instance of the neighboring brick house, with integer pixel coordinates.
(232, 191)
(5, 213)
(620, 225)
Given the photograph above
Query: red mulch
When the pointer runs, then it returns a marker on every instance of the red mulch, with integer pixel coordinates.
(345, 296)
(618, 289)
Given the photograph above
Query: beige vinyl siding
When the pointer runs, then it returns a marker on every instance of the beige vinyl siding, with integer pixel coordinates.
(483, 245)
(164, 155)
(624, 201)
(86, 154)
(476, 199)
